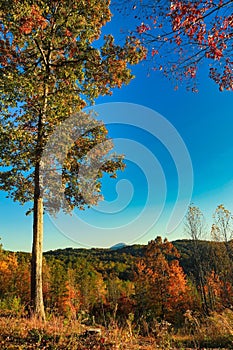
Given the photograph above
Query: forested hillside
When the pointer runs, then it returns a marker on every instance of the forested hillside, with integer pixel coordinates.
(89, 280)
(140, 287)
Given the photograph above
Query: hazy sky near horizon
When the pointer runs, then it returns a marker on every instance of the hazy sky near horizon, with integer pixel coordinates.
(140, 202)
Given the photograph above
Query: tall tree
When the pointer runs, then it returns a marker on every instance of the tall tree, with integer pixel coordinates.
(161, 284)
(181, 35)
(195, 228)
(222, 232)
(50, 68)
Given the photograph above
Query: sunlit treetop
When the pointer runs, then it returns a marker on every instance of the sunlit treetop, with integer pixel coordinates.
(55, 39)
(52, 66)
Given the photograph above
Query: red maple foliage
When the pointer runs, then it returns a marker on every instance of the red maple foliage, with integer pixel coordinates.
(182, 34)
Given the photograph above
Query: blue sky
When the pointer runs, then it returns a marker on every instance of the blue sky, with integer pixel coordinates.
(141, 200)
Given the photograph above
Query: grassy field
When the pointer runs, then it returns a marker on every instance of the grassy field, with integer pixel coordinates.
(60, 333)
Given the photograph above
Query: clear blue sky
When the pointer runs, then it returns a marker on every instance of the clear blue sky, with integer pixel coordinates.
(204, 122)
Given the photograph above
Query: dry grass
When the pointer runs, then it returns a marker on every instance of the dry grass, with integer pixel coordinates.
(215, 331)
(212, 332)
(60, 333)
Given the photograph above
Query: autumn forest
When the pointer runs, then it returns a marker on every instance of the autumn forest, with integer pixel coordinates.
(179, 286)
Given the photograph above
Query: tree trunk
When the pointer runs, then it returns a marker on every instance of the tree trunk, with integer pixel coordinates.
(37, 251)
(37, 302)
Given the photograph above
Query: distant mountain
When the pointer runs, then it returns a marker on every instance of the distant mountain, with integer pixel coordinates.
(118, 246)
